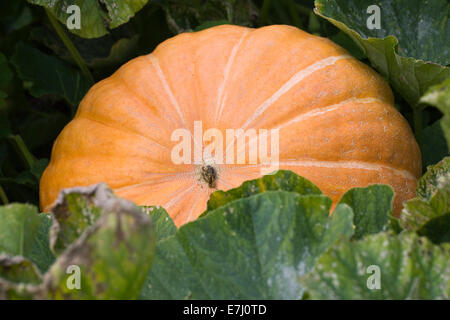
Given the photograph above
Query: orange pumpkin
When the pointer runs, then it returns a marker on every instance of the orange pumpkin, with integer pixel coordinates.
(335, 117)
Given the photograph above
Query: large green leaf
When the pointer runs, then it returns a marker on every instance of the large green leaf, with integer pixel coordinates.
(19, 224)
(74, 211)
(437, 136)
(251, 248)
(40, 253)
(429, 213)
(113, 255)
(411, 48)
(164, 225)
(94, 20)
(408, 266)
(372, 207)
(283, 180)
(46, 75)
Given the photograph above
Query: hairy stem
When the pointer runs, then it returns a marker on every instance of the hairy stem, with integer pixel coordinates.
(3, 196)
(21, 148)
(70, 46)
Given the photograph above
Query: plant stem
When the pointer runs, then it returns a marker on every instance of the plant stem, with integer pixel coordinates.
(417, 115)
(293, 12)
(22, 150)
(264, 12)
(70, 46)
(3, 196)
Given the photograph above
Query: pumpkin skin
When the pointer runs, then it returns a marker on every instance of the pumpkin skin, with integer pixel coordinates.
(337, 123)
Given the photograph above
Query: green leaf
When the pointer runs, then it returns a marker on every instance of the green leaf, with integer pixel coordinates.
(114, 255)
(436, 141)
(283, 180)
(437, 136)
(17, 269)
(411, 49)
(428, 183)
(164, 225)
(18, 277)
(251, 248)
(410, 267)
(74, 211)
(40, 253)
(342, 39)
(19, 224)
(429, 213)
(45, 74)
(372, 207)
(94, 20)
(112, 50)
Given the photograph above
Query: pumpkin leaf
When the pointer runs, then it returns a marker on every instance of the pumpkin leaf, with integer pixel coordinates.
(283, 180)
(372, 207)
(437, 136)
(95, 16)
(251, 248)
(429, 213)
(43, 74)
(411, 47)
(19, 224)
(382, 266)
(18, 277)
(17, 269)
(75, 210)
(24, 232)
(40, 254)
(113, 256)
(428, 183)
(106, 51)
(164, 225)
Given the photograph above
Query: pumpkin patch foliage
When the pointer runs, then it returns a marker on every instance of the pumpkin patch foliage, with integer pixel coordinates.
(358, 206)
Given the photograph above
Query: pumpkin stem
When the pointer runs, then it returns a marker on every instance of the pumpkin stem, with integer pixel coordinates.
(209, 175)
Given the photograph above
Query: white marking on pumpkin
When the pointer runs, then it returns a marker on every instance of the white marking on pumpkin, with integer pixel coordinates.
(164, 178)
(326, 109)
(294, 80)
(177, 198)
(348, 165)
(172, 98)
(125, 129)
(220, 97)
(193, 206)
(315, 113)
(166, 86)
